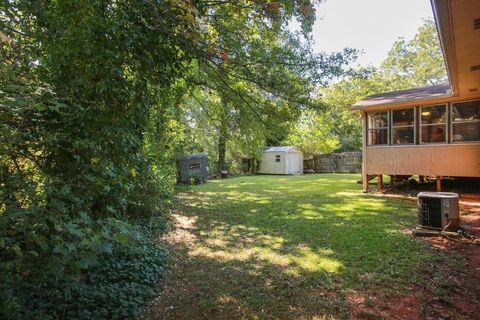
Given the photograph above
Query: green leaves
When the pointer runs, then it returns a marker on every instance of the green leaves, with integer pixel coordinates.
(413, 63)
(313, 134)
(90, 119)
(74, 230)
(254, 80)
(419, 61)
(122, 238)
(87, 261)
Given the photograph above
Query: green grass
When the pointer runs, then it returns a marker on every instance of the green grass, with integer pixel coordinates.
(291, 247)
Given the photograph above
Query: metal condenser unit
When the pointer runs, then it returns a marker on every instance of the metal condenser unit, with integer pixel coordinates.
(438, 210)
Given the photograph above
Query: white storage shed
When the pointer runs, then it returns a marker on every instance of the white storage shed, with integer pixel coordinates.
(281, 160)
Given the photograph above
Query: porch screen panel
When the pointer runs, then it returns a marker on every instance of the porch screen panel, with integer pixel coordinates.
(466, 121)
(433, 124)
(377, 128)
(403, 126)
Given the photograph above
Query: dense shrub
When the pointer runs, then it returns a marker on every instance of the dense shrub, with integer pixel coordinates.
(67, 253)
(83, 98)
(112, 285)
(118, 285)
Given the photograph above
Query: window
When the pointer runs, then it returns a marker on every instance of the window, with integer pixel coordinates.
(194, 166)
(377, 128)
(466, 121)
(433, 124)
(403, 126)
(277, 158)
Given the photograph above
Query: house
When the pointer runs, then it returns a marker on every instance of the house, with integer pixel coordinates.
(435, 130)
(281, 160)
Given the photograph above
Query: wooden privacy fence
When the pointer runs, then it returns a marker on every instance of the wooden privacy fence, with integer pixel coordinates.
(345, 162)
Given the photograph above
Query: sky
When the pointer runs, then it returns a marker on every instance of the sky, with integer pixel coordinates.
(368, 25)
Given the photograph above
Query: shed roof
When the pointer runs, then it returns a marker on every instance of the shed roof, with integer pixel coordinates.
(396, 97)
(194, 156)
(281, 149)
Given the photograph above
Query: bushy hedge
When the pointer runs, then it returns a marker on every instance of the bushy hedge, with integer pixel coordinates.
(86, 102)
(118, 286)
(112, 285)
(71, 244)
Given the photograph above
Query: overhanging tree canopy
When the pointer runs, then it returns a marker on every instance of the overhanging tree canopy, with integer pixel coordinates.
(91, 108)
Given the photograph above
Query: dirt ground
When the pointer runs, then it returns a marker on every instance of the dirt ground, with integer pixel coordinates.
(420, 303)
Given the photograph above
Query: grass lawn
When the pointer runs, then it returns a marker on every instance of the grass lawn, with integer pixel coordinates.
(290, 247)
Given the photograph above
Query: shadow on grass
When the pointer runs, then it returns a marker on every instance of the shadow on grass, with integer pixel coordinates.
(286, 247)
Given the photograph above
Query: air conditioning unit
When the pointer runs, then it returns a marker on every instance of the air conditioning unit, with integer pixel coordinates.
(438, 210)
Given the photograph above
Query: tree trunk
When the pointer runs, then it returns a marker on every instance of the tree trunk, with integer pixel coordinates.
(222, 148)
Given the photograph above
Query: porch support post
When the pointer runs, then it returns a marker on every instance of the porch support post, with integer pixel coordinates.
(439, 183)
(365, 182)
(364, 154)
(379, 182)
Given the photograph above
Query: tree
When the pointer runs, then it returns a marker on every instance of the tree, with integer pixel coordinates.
(313, 134)
(409, 64)
(340, 96)
(417, 62)
(91, 108)
(261, 80)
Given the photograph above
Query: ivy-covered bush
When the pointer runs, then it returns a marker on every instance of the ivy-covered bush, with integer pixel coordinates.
(113, 285)
(117, 287)
(86, 92)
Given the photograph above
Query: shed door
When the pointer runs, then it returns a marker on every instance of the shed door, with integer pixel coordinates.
(278, 164)
(294, 163)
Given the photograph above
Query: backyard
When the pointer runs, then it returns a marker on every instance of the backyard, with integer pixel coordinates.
(111, 112)
(310, 246)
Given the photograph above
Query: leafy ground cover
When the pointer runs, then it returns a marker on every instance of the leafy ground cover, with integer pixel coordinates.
(298, 247)
(111, 285)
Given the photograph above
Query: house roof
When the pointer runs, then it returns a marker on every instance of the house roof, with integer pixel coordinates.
(281, 149)
(458, 25)
(395, 97)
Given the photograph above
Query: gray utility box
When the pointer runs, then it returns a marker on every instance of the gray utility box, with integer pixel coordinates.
(192, 167)
(438, 210)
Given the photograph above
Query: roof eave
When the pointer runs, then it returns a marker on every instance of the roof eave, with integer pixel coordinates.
(445, 35)
(442, 15)
(403, 103)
